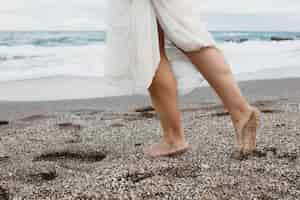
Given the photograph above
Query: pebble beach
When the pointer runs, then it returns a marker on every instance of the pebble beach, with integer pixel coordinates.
(92, 149)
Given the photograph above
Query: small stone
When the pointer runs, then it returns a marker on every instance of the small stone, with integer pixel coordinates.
(3, 123)
(117, 125)
(69, 125)
(144, 109)
(205, 166)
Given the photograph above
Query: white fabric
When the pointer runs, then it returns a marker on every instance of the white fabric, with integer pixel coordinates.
(133, 47)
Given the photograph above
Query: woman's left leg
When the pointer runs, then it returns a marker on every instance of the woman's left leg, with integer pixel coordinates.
(213, 66)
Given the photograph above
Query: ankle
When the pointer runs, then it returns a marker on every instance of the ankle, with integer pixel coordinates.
(241, 115)
(175, 138)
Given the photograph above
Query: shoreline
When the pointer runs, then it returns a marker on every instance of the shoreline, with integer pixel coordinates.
(253, 90)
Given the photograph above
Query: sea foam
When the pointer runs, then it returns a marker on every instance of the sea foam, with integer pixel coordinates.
(22, 59)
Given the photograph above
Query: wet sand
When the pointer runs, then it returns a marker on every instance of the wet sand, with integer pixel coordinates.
(93, 148)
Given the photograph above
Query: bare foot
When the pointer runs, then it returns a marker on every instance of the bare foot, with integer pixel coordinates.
(238, 138)
(165, 149)
(249, 132)
(246, 128)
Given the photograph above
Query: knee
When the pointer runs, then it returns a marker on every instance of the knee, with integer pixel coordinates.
(213, 57)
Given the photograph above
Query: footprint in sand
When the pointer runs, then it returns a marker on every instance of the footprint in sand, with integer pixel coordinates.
(4, 158)
(274, 152)
(83, 154)
(4, 194)
(36, 172)
(181, 171)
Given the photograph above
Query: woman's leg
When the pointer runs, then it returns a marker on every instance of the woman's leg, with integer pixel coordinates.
(163, 92)
(212, 65)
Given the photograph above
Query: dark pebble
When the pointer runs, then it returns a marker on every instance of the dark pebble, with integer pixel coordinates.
(2, 123)
(69, 125)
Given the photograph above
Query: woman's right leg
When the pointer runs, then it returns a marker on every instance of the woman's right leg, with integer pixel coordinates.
(163, 92)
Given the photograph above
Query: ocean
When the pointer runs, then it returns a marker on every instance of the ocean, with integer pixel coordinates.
(43, 54)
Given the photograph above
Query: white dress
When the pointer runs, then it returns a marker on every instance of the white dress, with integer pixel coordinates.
(133, 47)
